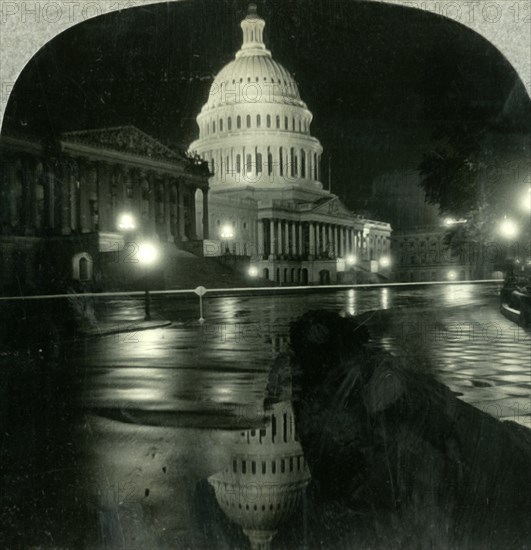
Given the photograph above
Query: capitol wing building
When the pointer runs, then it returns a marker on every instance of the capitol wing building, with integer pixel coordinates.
(266, 198)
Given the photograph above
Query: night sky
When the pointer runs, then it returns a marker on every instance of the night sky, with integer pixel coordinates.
(378, 79)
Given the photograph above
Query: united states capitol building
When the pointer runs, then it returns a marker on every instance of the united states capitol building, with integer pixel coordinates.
(266, 198)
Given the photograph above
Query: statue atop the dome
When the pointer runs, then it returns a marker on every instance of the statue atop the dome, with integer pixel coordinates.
(252, 10)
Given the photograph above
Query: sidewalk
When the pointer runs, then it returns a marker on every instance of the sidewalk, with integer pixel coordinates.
(481, 356)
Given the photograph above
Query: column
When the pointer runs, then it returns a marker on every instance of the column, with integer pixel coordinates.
(286, 237)
(180, 209)
(193, 221)
(49, 196)
(28, 196)
(261, 242)
(166, 211)
(342, 242)
(62, 198)
(151, 224)
(330, 246)
(317, 239)
(272, 243)
(311, 252)
(301, 244)
(206, 228)
(294, 238)
(280, 241)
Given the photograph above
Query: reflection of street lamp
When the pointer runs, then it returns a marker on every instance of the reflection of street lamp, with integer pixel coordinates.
(452, 221)
(148, 254)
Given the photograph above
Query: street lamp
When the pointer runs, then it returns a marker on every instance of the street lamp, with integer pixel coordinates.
(148, 254)
(351, 260)
(252, 271)
(126, 222)
(508, 229)
(385, 261)
(452, 275)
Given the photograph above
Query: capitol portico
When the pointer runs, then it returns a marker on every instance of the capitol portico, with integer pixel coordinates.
(266, 191)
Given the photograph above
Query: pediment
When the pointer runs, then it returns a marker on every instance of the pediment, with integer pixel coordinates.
(125, 139)
(332, 207)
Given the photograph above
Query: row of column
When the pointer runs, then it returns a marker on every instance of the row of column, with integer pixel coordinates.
(288, 237)
(264, 164)
(78, 195)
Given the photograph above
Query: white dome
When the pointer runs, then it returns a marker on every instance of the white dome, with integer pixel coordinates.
(254, 130)
(255, 75)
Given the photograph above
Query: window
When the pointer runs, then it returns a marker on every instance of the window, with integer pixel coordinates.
(238, 164)
(293, 162)
(268, 121)
(277, 121)
(229, 124)
(248, 121)
(269, 163)
(258, 163)
(221, 125)
(293, 123)
(239, 122)
(213, 126)
(258, 121)
(248, 163)
(303, 164)
(281, 163)
(285, 123)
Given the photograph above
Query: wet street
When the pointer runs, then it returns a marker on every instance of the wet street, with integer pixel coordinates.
(222, 365)
(146, 417)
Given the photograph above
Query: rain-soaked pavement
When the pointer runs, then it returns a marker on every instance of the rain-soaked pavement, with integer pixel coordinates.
(113, 449)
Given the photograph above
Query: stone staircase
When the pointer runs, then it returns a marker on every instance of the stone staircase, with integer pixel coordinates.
(184, 270)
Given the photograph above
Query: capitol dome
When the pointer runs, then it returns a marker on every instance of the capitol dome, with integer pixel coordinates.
(254, 129)
(265, 483)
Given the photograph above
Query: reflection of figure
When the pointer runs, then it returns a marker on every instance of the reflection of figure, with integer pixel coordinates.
(265, 481)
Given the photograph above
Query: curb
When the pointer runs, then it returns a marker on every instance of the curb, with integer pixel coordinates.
(135, 326)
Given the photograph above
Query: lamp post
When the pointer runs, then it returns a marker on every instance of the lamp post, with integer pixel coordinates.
(148, 254)
(508, 230)
(226, 234)
(127, 226)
